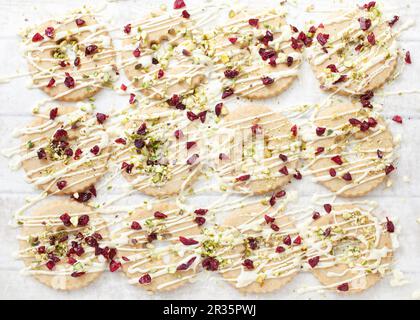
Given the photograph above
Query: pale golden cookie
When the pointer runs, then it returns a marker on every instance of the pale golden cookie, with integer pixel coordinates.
(75, 61)
(346, 253)
(354, 52)
(38, 249)
(253, 54)
(67, 154)
(263, 152)
(351, 149)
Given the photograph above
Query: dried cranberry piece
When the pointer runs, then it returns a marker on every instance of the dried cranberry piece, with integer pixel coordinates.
(389, 225)
(127, 167)
(233, 40)
(347, 176)
(142, 130)
(91, 241)
(201, 212)
(327, 232)
(160, 73)
(223, 156)
(332, 172)
(41, 154)
(322, 38)
(327, 208)
(159, 215)
(61, 184)
(191, 160)
(139, 143)
(185, 266)
(200, 220)
(332, 68)
(77, 154)
(186, 53)
(297, 175)
(123, 87)
(69, 81)
(83, 197)
(296, 44)
(114, 266)
(80, 22)
(316, 215)
(313, 261)
(371, 38)
(393, 21)
(253, 22)
(146, 278)
(365, 23)
(272, 200)
(369, 5)
(289, 61)
(218, 109)
(127, 28)
(298, 240)
(191, 144)
(136, 52)
(41, 249)
(294, 130)
(135, 225)
(283, 157)
(231, 73)
(192, 116)
(178, 134)
(320, 131)
(91, 49)
(274, 227)
(252, 243)
(120, 141)
(51, 83)
(210, 264)
(244, 177)
(337, 159)
(269, 219)
(185, 14)
(389, 169)
(100, 117)
(95, 150)
(187, 241)
(280, 249)
(380, 154)
(65, 218)
(397, 119)
(37, 37)
(287, 240)
(50, 265)
(248, 264)
(178, 4)
(60, 135)
(342, 78)
(343, 287)
(49, 32)
(372, 122)
(132, 98)
(227, 93)
(267, 81)
(256, 129)
(267, 38)
(407, 58)
(355, 122)
(319, 150)
(83, 220)
(284, 171)
(202, 115)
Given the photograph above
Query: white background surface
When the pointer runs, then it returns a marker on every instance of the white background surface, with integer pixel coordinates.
(401, 200)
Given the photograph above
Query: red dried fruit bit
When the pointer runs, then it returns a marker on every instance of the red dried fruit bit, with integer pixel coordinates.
(252, 243)
(231, 73)
(319, 150)
(37, 37)
(135, 225)
(364, 23)
(69, 81)
(49, 32)
(380, 154)
(267, 54)
(132, 98)
(322, 38)
(160, 73)
(65, 218)
(191, 144)
(223, 156)
(41, 249)
(91, 49)
(267, 81)
(50, 265)
(256, 129)
(289, 61)
(272, 200)
(267, 38)
(123, 87)
(101, 117)
(159, 215)
(343, 287)
(185, 14)
(201, 212)
(210, 264)
(142, 129)
(393, 21)
(53, 113)
(51, 83)
(369, 5)
(327, 232)
(136, 52)
(372, 122)
(202, 115)
(178, 4)
(191, 116)
(297, 175)
(114, 266)
(313, 261)
(127, 28)
(389, 225)
(337, 159)
(186, 53)
(371, 38)
(298, 240)
(294, 130)
(233, 40)
(248, 264)
(397, 119)
(327, 208)
(294, 29)
(407, 57)
(347, 176)
(60, 135)
(145, 279)
(95, 150)
(185, 266)
(76, 62)
(191, 160)
(306, 41)
(332, 68)
(83, 197)
(284, 171)
(274, 227)
(320, 131)
(187, 241)
(280, 249)
(178, 134)
(83, 220)
(80, 22)
(359, 47)
(342, 78)
(389, 169)
(152, 237)
(91, 241)
(71, 260)
(253, 22)
(355, 122)
(316, 215)
(77, 154)
(120, 141)
(61, 184)
(218, 109)
(287, 240)
(125, 258)
(283, 157)
(268, 219)
(227, 93)
(296, 45)
(332, 172)
(244, 177)
(312, 29)
(280, 194)
(200, 220)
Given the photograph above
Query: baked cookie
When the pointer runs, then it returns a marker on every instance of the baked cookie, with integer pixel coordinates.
(170, 263)
(349, 148)
(71, 59)
(350, 249)
(353, 52)
(259, 151)
(65, 152)
(268, 253)
(60, 243)
(161, 57)
(253, 54)
(159, 151)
